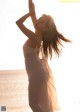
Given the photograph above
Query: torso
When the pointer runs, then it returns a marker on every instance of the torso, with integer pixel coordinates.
(36, 43)
(30, 43)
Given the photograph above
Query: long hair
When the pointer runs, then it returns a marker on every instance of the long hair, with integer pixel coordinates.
(52, 39)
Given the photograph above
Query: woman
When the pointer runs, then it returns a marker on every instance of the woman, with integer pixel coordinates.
(37, 49)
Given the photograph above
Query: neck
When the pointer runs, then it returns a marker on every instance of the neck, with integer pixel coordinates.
(38, 32)
(39, 37)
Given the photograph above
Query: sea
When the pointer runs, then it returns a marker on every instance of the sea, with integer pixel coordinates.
(14, 91)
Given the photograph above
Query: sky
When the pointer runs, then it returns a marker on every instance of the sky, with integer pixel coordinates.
(66, 16)
(66, 68)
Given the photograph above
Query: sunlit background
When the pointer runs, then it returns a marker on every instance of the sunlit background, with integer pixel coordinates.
(66, 68)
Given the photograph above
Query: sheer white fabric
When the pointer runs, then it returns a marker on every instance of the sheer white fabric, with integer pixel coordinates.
(37, 67)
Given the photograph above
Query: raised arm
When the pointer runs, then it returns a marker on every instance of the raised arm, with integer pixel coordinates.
(26, 31)
(32, 10)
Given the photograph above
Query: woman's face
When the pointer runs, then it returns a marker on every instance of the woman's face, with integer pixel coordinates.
(41, 23)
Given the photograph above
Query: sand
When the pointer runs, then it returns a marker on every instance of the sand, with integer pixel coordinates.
(14, 91)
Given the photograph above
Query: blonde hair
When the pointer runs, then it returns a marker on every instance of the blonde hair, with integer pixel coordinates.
(51, 38)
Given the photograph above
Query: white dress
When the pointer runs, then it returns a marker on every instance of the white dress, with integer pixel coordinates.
(40, 74)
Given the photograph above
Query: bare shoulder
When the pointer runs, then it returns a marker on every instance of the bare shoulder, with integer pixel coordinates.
(31, 43)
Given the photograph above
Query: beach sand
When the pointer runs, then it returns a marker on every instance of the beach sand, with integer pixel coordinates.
(14, 90)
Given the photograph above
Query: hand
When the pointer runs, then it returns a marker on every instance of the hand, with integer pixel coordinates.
(32, 12)
(31, 7)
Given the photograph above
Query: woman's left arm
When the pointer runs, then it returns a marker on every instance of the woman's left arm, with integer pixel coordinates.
(31, 35)
(23, 18)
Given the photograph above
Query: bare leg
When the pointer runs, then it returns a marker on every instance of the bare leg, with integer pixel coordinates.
(34, 91)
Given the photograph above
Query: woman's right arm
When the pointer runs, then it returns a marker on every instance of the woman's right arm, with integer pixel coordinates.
(32, 10)
(26, 31)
